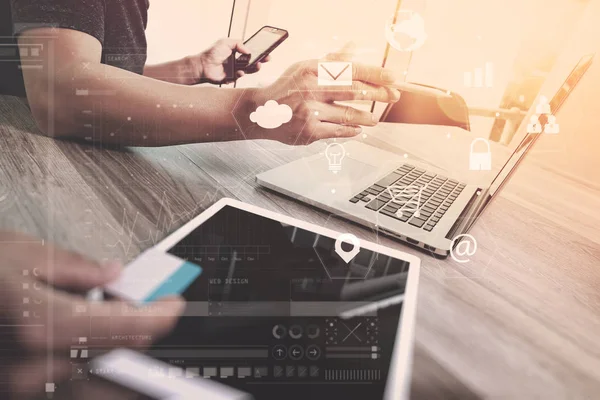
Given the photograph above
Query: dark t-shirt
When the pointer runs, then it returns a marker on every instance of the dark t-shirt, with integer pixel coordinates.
(119, 25)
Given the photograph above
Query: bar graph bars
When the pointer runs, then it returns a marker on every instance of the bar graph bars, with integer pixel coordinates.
(355, 375)
(480, 77)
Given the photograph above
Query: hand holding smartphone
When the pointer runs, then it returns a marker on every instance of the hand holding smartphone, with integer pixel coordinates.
(261, 44)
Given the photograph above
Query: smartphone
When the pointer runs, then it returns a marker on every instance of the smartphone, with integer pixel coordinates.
(261, 44)
(124, 374)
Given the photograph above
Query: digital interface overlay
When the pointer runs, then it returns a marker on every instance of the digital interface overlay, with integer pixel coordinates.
(264, 314)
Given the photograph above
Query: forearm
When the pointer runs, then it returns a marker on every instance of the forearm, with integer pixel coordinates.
(183, 72)
(133, 110)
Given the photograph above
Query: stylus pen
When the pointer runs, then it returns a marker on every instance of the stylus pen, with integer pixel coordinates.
(418, 89)
(373, 287)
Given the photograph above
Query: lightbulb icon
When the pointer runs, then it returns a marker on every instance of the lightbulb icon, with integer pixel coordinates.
(335, 153)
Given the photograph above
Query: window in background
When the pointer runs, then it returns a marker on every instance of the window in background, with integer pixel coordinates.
(178, 28)
(318, 27)
(494, 54)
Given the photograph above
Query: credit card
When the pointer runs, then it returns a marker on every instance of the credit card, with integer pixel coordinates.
(152, 275)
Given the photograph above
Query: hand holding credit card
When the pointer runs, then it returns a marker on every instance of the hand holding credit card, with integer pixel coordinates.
(152, 275)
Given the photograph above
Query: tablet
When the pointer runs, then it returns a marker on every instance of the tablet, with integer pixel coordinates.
(286, 309)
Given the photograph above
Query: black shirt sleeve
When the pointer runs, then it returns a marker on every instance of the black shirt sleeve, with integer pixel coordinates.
(86, 16)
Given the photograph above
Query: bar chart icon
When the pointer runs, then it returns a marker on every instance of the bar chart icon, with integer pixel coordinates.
(480, 77)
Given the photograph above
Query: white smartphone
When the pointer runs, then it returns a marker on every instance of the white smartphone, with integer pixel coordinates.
(134, 373)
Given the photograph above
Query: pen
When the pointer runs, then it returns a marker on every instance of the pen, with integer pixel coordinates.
(366, 289)
(414, 88)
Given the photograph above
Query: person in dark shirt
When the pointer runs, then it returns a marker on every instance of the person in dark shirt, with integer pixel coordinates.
(95, 52)
(119, 26)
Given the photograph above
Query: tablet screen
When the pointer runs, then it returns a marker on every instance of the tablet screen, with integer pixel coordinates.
(264, 315)
(249, 260)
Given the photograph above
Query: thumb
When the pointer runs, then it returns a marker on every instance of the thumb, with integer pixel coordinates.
(345, 53)
(72, 271)
(234, 45)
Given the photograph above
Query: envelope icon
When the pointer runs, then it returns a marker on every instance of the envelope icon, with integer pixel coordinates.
(335, 73)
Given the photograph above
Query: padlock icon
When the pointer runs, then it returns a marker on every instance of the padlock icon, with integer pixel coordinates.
(480, 161)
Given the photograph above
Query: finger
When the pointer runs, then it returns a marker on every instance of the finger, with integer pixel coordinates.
(241, 48)
(237, 45)
(73, 271)
(115, 323)
(326, 130)
(344, 115)
(254, 68)
(359, 91)
(373, 74)
(240, 73)
(53, 265)
(266, 59)
(234, 44)
(346, 53)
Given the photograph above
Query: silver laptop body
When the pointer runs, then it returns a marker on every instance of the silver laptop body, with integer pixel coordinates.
(410, 201)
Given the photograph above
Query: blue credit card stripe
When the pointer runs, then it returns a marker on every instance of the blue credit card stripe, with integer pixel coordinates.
(177, 283)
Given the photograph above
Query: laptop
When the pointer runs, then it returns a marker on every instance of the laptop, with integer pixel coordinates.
(409, 200)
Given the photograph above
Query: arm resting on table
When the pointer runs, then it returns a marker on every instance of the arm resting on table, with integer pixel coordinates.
(131, 109)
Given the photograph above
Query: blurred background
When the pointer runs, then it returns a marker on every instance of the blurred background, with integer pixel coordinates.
(494, 54)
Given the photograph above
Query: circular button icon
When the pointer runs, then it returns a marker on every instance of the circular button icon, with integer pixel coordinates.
(313, 352)
(279, 331)
(313, 331)
(296, 352)
(296, 332)
(279, 352)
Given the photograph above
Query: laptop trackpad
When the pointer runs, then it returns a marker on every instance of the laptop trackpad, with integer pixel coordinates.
(348, 170)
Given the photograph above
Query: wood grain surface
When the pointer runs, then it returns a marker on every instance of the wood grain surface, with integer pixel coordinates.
(521, 320)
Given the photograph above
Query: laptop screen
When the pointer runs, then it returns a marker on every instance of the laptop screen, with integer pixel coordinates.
(529, 138)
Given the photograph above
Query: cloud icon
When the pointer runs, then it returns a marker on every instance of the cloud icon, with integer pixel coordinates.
(272, 115)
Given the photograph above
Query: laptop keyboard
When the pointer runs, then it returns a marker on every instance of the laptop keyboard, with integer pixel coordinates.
(411, 195)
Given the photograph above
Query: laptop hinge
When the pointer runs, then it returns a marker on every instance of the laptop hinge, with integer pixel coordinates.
(469, 214)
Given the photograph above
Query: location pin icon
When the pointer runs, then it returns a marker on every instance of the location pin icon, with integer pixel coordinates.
(347, 256)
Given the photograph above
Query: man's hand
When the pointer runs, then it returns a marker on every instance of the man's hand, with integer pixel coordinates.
(40, 321)
(315, 113)
(211, 64)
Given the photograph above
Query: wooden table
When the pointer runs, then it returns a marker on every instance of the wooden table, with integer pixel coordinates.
(521, 320)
